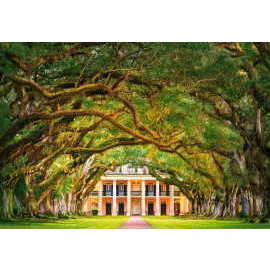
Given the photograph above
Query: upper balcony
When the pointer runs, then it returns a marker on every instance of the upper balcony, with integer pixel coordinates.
(134, 193)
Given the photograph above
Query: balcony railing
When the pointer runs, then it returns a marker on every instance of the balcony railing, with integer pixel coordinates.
(150, 193)
(107, 193)
(136, 193)
(121, 193)
(164, 193)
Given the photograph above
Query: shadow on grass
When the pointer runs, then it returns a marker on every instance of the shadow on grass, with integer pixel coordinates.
(67, 222)
(198, 222)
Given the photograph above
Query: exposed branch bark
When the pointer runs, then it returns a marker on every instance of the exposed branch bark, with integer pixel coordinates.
(90, 89)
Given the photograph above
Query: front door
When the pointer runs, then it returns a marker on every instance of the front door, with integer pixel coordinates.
(163, 209)
(121, 208)
(136, 207)
(150, 208)
(108, 208)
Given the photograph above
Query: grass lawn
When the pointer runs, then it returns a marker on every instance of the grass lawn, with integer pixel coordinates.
(92, 222)
(165, 222)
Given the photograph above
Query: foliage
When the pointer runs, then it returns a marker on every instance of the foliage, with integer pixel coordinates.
(197, 112)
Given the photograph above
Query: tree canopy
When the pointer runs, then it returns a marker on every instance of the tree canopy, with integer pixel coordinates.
(197, 112)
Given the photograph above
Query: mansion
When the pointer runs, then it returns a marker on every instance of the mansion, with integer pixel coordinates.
(133, 191)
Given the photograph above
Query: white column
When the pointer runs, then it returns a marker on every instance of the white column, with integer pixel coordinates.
(143, 197)
(187, 205)
(114, 212)
(100, 212)
(157, 212)
(129, 198)
(171, 212)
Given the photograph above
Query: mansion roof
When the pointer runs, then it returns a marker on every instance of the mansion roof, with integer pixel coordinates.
(128, 169)
(126, 172)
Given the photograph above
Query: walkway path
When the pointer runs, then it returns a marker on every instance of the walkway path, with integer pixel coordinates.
(136, 222)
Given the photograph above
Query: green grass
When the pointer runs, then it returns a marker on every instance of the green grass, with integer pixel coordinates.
(93, 222)
(165, 222)
(109, 222)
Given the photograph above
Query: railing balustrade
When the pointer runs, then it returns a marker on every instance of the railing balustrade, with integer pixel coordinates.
(164, 193)
(135, 193)
(121, 193)
(150, 193)
(107, 193)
